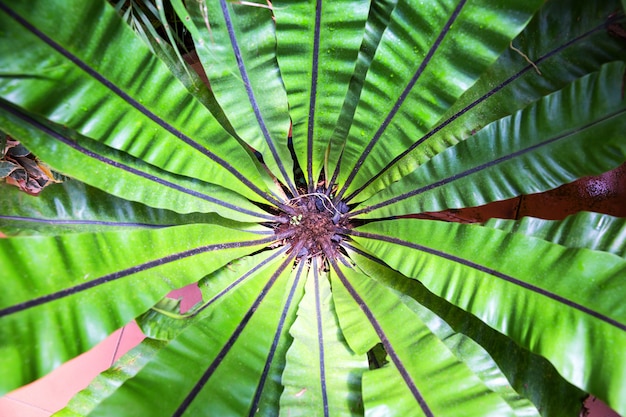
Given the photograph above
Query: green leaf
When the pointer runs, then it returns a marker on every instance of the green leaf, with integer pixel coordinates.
(321, 373)
(184, 72)
(317, 49)
(565, 40)
(422, 375)
(223, 364)
(549, 151)
(108, 381)
(164, 321)
(236, 43)
(121, 174)
(72, 206)
(90, 284)
(495, 359)
(525, 288)
(134, 105)
(582, 230)
(377, 22)
(413, 82)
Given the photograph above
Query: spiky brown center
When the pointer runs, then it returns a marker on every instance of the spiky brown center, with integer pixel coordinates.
(316, 226)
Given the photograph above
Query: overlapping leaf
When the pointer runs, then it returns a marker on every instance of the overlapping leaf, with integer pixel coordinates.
(517, 286)
(413, 82)
(422, 375)
(530, 375)
(135, 105)
(236, 44)
(550, 53)
(76, 207)
(317, 49)
(322, 374)
(244, 332)
(548, 152)
(108, 279)
(123, 175)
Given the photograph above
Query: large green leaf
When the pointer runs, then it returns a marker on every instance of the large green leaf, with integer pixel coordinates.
(135, 105)
(377, 22)
(317, 49)
(322, 374)
(164, 320)
(141, 18)
(548, 151)
(90, 284)
(517, 286)
(529, 374)
(237, 44)
(225, 363)
(583, 230)
(422, 376)
(566, 39)
(76, 207)
(574, 41)
(445, 47)
(121, 174)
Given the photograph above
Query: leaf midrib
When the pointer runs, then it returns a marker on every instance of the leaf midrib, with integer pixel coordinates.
(504, 277)
(484, 166)
(48, 131)
(478, 101)
(252, 98)
(136, 104)
(114, 276)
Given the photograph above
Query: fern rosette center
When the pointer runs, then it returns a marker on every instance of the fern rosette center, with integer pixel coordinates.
(315, 225)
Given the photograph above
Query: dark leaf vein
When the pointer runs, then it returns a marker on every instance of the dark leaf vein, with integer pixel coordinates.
(137, 105)
(401, 98)
(114, 276)
(55, 222)
(384, 340)
(313, 98)
(484, 166)
(496, 274)
(233, 338)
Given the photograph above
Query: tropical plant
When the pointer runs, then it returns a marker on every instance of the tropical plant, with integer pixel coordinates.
(287, 192)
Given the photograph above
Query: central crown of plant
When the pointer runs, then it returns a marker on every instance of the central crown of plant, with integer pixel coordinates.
(315, 225)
